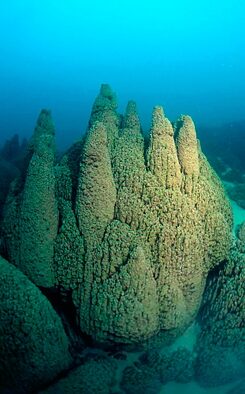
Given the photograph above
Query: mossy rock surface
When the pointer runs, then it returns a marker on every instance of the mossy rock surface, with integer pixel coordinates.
(93, 377)
(221, 343)
(129, 229)
(34, 348)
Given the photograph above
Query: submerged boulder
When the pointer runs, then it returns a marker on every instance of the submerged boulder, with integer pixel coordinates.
(139, 226)
(34, 348)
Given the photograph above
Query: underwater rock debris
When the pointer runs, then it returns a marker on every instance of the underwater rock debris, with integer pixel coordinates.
(130, 231)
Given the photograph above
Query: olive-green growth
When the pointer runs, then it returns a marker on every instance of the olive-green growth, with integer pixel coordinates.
(162, 155)
(38, 211)
(104, 110)
(220, 344)
(31, 214)
(140, 227)
(92, 377)
(33, 343)
(96, 194)
(187, 146)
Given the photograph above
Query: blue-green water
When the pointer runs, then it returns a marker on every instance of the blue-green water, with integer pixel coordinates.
(187, 56)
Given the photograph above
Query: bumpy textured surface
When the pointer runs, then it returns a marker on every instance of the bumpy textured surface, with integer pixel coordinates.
(153, 370)
(33, 344)
(221, 343)
(69, 244)
(140, 380)
(95, 376)
(139, 227)
(96, 193)
(187, 145)
(31, 210)
(171, 366)
(171, 224)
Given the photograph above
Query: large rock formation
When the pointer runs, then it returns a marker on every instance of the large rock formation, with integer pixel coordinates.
(139, 227)
(33, 343)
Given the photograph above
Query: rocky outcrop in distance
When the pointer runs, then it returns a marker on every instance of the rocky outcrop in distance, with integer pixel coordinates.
(11, 164)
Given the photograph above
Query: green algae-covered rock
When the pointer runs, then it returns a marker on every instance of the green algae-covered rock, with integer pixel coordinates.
(136, 380)
(162, 154)
(104, 110)
(31, 209)
(39, 214)
(92, 377)
(33, 343)
(153, 370)
(69, 243)
(221, 343)
(139, 226)
(96, 193)
(172, 208)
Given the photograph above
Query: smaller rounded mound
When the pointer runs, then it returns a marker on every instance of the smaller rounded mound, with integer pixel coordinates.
(34, 348)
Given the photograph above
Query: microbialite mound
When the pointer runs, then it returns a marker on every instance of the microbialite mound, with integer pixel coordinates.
(221, 342)
(129, 231)
(33, 345)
